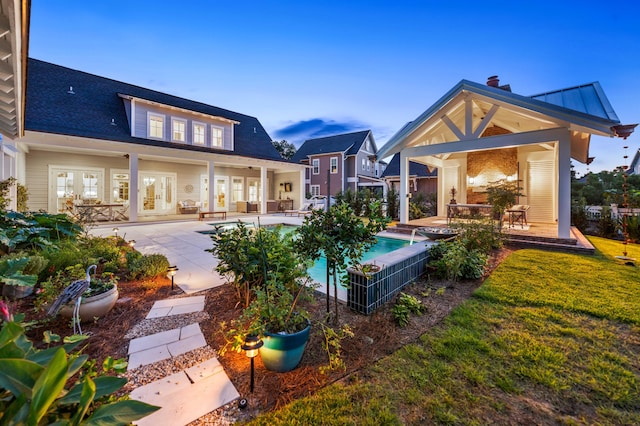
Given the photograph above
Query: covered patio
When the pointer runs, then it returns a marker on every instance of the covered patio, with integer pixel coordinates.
(477, 135)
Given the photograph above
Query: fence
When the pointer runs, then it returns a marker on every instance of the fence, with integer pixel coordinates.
(399, 268)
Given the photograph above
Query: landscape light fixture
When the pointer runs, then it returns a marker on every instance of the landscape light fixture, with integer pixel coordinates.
(115, 230)
(132, 243)
(172, 273)
(251, 345)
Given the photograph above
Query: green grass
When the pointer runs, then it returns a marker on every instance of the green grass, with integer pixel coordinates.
(548, 338)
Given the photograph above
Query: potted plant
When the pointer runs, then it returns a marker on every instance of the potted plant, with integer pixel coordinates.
(272, 276)
(100, 298)
(19, 274)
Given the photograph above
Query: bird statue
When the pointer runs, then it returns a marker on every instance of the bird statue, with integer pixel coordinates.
(73, 291)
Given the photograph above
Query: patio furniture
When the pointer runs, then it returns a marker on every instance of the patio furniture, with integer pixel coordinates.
(303, 211)
(468, 211)
(247, 207)
(188, 207)
(518, 214)
(222, 214)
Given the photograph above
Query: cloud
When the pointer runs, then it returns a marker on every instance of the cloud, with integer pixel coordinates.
(300, 131)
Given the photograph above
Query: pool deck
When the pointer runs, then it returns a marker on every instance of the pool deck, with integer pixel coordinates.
(184, 245)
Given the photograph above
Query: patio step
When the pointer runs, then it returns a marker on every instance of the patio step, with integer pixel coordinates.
(546, 245)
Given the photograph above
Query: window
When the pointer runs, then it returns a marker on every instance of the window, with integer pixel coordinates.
(368, 165)
(216, 136)
(364, 162)
(367, 147)
(198, 134)
(237, 189)
(178, 130)
(120, 187)
(316, 166)
(315, 190)
(334, 165)
(156, 126)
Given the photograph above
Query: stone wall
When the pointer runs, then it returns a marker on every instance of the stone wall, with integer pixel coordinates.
(489, 166)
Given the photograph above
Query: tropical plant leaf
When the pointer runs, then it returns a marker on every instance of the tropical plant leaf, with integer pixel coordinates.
(19, 376)
(104, 385)
(48, 386)
(120, 413)
(87, 396)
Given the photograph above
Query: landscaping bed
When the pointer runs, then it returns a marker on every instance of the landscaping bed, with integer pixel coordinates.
(375, 336)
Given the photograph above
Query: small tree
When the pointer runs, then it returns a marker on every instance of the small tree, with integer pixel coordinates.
(342, 237)
(287, 150)
(502, 195)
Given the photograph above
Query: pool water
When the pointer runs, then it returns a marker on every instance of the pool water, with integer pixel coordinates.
(384, 245)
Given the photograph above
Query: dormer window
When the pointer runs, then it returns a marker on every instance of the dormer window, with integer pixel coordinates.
(216, 136)
(156, 126)
(198, 134)
(178, 130)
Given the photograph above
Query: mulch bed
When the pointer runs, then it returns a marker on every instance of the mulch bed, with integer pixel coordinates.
(375, 336)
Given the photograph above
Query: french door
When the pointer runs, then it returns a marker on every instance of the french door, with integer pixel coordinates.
(69, 186)
(156, 195)
(220, 194)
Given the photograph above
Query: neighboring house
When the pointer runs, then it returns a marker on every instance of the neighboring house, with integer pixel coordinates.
(90, 139)
(422, 179)
(477, 134)
(348, 159)
(634, 168)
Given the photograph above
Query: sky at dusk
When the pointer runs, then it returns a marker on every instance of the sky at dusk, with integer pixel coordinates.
(309, 69)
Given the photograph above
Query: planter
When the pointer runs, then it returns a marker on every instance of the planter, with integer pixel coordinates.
(283, 352)
(14, 292)
(94, 306)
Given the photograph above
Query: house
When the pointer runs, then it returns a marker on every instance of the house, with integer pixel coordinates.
(422, 179)
(340, 162)
(476, 134)
(93, 140)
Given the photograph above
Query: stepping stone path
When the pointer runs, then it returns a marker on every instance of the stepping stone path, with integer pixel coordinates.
(189, 394)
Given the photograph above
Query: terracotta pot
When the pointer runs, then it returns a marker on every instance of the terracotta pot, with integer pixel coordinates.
(94, 306)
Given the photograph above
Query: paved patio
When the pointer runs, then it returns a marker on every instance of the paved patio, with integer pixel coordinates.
(185, 246)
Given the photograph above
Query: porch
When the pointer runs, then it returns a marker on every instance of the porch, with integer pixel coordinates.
(533, 235)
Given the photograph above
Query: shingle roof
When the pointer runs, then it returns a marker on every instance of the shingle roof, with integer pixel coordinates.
(349, 143)
(89, 112)
(415, 169)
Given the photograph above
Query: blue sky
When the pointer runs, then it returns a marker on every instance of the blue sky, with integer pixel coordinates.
(307, 69)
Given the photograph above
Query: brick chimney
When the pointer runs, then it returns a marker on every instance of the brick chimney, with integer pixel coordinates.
(493, 81)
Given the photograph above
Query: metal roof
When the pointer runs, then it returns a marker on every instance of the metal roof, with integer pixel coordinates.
(587, 98)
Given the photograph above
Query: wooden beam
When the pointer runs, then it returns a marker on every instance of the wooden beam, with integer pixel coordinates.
(485, 121)
(492, 142)
(451, 125)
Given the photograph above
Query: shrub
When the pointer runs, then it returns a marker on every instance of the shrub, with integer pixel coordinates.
(606, 226)
(454, 262)
(404, 307)
(633, 227)
(147, 266)
(479, 235)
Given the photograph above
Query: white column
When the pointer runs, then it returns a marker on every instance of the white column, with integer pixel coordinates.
(211, 177)
(303, 186)
(265, 192)
(133, 187)
(564, 187)
(404, 188)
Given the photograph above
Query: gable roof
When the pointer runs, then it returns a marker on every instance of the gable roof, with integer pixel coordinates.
(415, 169)
(600, 123)
(96, 102)
(348, 143)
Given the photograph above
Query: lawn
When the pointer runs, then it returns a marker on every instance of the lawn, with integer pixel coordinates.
(548, 338)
